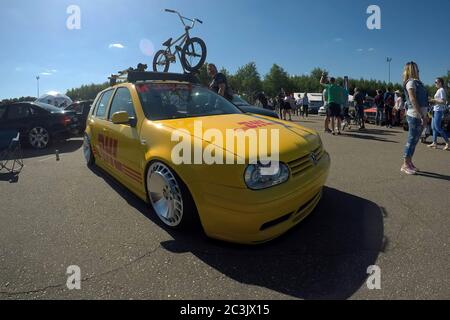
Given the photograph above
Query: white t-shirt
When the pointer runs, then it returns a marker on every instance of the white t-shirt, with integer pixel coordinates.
(440, 95)
(411, 111)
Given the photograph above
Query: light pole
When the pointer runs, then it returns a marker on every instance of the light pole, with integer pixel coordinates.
(37, 78)
(389, 60)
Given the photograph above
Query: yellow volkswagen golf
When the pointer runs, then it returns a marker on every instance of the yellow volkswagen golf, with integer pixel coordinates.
(196, 158)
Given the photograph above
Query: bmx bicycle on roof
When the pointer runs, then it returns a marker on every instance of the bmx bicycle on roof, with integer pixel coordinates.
(190, 51)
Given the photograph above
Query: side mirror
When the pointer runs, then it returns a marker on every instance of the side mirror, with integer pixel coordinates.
(121, 117)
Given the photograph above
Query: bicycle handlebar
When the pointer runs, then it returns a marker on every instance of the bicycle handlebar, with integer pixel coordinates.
(184, 18)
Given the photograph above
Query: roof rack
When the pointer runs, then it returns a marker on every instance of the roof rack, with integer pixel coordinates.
(139, 74)
(135, 76)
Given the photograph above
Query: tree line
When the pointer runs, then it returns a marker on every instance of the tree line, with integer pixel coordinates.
(247, 81)
(14, 100)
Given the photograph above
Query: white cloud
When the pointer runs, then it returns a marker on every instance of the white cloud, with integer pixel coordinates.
(360, 50)
(338, 39)
(371, 49)
(116, 45)
(19, 69)
(46, 73)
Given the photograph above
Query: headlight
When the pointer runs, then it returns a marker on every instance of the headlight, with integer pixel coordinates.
(258, 176)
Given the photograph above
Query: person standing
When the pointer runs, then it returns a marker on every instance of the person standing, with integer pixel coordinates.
(219, 82)
(334, 101)
(305, 102)
(389, 102)
(417, 102)
(439, 102)
(399, 107)
(359, 108)
(379, 103)
(327, 110)
(289, 105)
(299, 105)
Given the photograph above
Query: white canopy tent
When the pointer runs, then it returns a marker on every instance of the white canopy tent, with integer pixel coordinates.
(56, 99)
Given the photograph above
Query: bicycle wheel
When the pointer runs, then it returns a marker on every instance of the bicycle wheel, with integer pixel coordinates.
(193, 55)
(160, 62)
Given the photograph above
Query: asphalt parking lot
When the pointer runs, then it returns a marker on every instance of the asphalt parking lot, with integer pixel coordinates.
(61, 213)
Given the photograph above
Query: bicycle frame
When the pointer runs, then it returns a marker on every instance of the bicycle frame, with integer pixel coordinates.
(185, 37)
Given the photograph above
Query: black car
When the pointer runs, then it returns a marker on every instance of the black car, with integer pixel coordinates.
(38, 123)
(244, 106)
(80, 109)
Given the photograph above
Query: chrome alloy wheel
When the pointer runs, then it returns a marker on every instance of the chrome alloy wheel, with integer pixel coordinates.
(165, 194)
(39, 137)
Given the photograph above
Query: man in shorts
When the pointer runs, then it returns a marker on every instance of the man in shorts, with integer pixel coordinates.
(335, 100)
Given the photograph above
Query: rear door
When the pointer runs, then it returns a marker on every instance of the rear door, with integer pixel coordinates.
(3, 111)
(18, 117)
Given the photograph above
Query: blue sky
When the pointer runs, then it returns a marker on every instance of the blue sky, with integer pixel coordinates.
(296, 34)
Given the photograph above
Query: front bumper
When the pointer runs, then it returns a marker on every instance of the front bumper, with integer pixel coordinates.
(252, 217)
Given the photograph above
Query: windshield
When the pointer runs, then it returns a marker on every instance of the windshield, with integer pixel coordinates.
(173, 101)
(238, 101)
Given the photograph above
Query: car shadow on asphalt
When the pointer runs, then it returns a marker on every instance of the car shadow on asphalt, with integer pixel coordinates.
(63, 146)
(325, 257)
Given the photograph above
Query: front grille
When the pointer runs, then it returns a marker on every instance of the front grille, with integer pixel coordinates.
(301, 165)
(297, 215)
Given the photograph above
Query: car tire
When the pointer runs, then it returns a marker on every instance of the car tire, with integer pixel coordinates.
(87, 151)
(39, 137)
(170, 198)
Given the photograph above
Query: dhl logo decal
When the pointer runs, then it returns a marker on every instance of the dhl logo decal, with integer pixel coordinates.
(253, 124)
(107, 151)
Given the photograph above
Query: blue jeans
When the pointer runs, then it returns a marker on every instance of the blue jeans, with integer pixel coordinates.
(437, 128)
(379, 116)
(415, 131)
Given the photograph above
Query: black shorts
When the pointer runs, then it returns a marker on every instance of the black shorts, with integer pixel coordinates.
(335, 110)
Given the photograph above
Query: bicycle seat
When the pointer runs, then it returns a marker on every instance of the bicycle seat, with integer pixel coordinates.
(168, 43)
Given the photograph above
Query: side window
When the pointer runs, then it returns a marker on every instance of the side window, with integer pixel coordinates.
(2, 111)
(122, 101)
(103, 104)
(18, 111)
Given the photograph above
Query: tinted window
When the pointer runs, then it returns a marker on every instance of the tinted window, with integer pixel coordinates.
(172, 101)
(18, 111)
(103, 104)
(122, 102)
(2, 111)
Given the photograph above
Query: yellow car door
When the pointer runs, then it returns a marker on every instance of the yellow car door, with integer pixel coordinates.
(124, 142)
(98, 126)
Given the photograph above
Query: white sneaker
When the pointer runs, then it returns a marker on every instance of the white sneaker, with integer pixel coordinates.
(408, 171)
(433, 145)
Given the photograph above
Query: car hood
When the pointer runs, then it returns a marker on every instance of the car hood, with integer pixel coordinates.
(294, 141)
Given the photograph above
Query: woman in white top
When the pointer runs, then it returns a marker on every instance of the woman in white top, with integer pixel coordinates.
(439, 102)
(417, 101)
